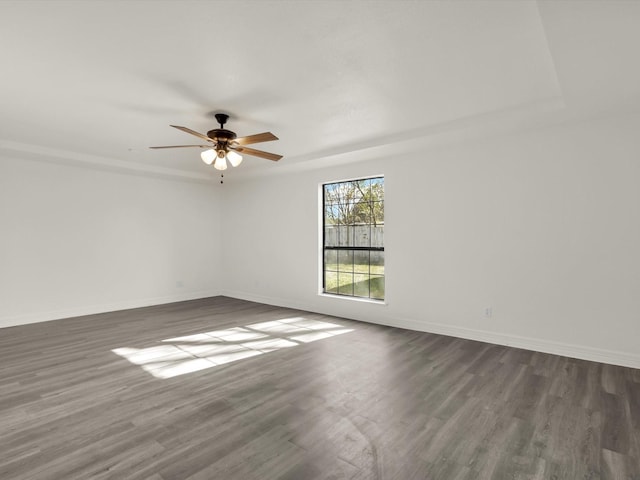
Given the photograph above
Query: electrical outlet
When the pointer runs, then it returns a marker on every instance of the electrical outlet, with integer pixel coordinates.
(488, 312)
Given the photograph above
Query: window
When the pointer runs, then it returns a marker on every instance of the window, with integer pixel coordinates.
(353, 238)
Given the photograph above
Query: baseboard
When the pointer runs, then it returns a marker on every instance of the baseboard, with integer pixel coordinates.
(102, 308)
(276, 302)
(624, 359)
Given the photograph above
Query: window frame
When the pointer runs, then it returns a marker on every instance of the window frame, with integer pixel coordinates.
(323, 248)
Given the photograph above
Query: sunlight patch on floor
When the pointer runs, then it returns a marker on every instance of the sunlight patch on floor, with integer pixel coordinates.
(191, 353)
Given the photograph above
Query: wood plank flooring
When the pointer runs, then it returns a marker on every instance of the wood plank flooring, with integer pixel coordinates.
(370, 403)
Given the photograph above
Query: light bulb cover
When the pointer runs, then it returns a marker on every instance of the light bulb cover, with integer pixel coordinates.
(234, 158)
(220, 163)
(208, 156)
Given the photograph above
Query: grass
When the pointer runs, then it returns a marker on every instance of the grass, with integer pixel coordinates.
(360, 280)
(355, 268)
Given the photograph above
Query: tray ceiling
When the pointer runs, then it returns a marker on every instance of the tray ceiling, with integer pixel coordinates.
(99, 82)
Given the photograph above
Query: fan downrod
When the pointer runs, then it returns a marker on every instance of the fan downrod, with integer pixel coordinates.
(221, 135)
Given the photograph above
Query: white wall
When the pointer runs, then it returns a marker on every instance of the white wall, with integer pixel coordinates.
(542, 227)
(76, 240)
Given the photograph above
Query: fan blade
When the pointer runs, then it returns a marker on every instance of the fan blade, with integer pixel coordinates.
(257, 153)
(193, 132)
(257, 138)
(185, 146)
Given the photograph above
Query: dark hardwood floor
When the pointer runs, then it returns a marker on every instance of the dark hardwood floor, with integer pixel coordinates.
(226, 389)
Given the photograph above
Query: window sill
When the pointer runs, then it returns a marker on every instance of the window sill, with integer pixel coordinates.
(353, 299)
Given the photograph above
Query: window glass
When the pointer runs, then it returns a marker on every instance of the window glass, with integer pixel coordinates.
(353, 233)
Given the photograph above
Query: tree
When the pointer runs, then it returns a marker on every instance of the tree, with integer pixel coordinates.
(358, 202)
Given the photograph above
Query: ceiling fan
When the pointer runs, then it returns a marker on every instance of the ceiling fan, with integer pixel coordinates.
(225, 145)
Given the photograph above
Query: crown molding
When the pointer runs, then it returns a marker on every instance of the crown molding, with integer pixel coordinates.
(519, 118)
(458, 131)
(22, 151)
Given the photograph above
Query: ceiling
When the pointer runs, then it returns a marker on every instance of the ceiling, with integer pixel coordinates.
(98, 82)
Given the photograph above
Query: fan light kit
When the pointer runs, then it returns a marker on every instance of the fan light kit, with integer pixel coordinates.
(224, 145)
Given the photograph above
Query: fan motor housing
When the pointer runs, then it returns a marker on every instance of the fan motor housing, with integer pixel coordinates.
(221, 134)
